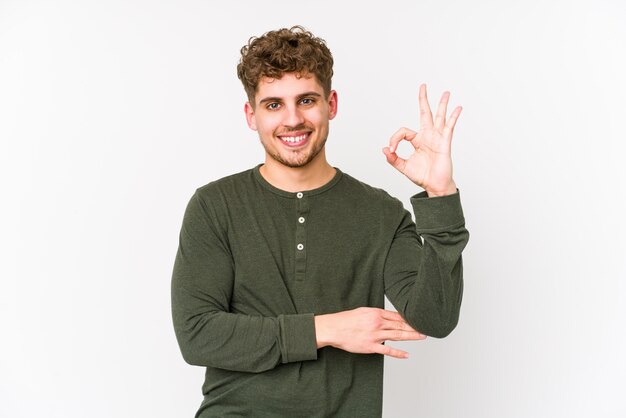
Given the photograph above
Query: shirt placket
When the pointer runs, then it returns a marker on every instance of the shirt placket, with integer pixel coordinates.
(302, 211)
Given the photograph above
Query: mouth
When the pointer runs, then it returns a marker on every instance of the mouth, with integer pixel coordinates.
(295, 139)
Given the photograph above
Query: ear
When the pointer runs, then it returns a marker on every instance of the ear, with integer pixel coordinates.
(332, 104)
(250, 117)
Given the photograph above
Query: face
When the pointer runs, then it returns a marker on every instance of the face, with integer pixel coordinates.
(291, 116)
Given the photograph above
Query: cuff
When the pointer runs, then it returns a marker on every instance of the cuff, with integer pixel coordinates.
(297, 338)
(435, 214)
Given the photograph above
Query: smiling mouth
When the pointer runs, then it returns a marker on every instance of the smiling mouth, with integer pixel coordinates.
(295, 140)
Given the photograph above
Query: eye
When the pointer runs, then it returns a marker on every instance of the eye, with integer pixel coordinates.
(306, 101)
(273, 106)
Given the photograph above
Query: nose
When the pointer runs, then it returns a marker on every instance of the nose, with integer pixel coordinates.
(293, 117)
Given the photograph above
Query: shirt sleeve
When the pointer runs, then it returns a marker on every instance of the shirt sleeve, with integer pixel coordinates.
(424, 269)
(207, 333)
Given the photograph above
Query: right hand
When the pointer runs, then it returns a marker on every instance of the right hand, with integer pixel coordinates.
(364, 330)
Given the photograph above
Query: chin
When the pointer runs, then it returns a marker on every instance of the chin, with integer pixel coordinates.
(300, 161)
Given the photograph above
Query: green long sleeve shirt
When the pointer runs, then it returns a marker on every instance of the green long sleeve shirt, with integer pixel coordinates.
(256, 263)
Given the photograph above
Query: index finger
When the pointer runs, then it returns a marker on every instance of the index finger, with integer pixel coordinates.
(426, 116)
(391, 315)
(399, 135)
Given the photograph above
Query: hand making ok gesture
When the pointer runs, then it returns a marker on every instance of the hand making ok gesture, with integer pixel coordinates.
(430, 165)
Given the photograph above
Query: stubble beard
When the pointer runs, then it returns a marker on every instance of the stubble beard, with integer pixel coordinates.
(301, 158)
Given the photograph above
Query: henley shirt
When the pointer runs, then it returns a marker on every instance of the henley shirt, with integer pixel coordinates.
(256, 263)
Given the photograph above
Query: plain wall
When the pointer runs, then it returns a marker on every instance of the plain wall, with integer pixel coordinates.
(113, 112)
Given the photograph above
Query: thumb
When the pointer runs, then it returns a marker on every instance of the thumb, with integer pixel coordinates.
(396, 161)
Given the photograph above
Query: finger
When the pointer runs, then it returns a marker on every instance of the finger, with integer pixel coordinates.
(391, 315)
(397, 162)
(400, 135)
(389, 351)
(449, 128)
(399, 335)
(440, 117)
(394, 321)
(401, 325)
(426, 116)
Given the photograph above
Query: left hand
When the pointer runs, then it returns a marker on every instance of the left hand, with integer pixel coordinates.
(430, 165)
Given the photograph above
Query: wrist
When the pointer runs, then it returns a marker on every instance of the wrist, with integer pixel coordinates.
(322, 330)
(451, 189)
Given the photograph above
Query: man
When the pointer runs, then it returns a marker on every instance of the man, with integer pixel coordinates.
(279, 281)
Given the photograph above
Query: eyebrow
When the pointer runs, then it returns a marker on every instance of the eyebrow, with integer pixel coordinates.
(279, 99)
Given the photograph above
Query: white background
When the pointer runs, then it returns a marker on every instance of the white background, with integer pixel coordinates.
(113, 112)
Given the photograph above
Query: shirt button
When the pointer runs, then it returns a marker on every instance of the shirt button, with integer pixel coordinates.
(300, 247)
(301, 219)
(299, 195)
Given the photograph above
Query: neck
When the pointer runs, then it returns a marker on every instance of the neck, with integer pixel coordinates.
(296, 179)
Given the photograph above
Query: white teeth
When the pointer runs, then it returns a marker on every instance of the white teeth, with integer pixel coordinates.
(293, 139)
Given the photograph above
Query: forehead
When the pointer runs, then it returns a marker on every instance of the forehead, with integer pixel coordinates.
(288, 86)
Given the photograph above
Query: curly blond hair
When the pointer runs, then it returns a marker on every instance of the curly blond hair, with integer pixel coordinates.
(281, 51)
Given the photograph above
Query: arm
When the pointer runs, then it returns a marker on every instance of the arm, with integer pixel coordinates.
(424, 281)
(423, 274)
(207, 333)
